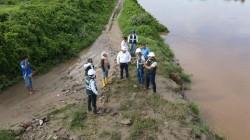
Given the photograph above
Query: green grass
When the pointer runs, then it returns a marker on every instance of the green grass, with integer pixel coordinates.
(134, 17)
(6, 135)
(194, 108)
(144, 129)
(78, 119)
(62, 110)
(114, 135)
(8, 9)
(48, 31)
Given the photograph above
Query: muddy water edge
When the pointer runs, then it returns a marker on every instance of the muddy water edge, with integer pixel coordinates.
(211, 39)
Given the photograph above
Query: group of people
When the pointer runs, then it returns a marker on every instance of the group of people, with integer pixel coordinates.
(146, 66)
(90, 82)
(146, 63)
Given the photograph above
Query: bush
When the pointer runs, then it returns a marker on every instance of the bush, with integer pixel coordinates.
(47, 31)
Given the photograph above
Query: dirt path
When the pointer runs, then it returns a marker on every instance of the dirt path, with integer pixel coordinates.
(62, 85)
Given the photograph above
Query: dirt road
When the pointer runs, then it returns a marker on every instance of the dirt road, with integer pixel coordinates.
(62, 85)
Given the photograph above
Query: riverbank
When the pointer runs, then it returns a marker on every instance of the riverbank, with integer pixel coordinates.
(126, 111)
(134, 17)
(214, 48)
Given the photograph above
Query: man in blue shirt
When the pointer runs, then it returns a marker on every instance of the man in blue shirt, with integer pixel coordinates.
(144, 51)
(27, 73)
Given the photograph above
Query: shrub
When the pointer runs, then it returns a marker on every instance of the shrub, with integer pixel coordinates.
(47, 31)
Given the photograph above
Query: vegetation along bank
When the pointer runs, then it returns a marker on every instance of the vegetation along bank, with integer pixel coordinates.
(128, 111)
(134, 17)
(47, 31)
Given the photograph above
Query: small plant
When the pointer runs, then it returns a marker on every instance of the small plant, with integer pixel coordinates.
(145, 128)
(78, 119)
(194, 109)
(6, 135)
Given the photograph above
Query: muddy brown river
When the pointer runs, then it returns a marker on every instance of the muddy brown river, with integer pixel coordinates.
(211, 38)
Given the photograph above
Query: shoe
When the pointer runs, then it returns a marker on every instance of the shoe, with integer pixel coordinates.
(103, 83)
(106, 81)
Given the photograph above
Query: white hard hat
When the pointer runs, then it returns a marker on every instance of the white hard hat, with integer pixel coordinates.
(91, 72)
(138, 50)
(124, 48)
(151, 54)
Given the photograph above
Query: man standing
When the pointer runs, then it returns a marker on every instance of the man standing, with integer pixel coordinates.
(151, 66)
(123, 58)
(105, 65)
(132, 40)
(91, 90)
(27, 73)
(124, 43)
(139, 66)
(144, 50)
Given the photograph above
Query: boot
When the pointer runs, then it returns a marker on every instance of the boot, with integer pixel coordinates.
(106, 81)
(103, 82)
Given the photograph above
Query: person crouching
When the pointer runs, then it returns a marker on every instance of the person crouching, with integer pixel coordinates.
(91, 90)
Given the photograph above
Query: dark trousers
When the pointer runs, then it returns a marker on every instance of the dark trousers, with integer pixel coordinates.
(124, 66)
(150, 78)
(132, 49)
(92, 101)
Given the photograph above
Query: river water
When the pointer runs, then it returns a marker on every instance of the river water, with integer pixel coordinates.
(211, 38)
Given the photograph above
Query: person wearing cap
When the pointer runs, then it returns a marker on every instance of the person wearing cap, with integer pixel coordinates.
(91, 90)
(124, 43)
(150, 68)
(89, 65)
(145, 50)
(123, 58)
(139, 66)
(132, 40)
(105, 65)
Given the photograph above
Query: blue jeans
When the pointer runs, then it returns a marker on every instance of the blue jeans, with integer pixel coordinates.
(140, 75)
(105, 73)
(132, 49)
(28, 82)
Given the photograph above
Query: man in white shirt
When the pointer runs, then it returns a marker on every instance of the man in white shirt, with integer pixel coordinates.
(123, 58)
(124, 43)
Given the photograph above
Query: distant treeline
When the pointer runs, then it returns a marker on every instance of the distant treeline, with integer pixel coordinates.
(48, 31)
